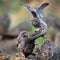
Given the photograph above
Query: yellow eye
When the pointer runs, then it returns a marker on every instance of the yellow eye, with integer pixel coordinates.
(25, 35)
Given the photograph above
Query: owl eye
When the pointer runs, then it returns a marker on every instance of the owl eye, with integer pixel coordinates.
(34, 14)
(34, 23)
(25, 35)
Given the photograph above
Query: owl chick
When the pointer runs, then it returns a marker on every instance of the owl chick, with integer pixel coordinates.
(38, 21)
(23, 43)
(47, 48)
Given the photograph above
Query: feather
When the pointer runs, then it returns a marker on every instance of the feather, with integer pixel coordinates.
(43, 6)
(31, 9)
(40, 8)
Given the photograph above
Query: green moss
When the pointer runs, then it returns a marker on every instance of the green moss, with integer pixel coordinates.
(40, 40)
(32, 29)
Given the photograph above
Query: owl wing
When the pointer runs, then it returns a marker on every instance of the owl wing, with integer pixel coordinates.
(31, 9)
(40, 8)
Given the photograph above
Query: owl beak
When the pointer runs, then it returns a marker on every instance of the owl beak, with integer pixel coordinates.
(37, 29)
